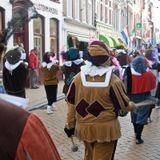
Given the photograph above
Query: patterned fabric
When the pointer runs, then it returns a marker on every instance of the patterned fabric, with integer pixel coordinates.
(92, 112)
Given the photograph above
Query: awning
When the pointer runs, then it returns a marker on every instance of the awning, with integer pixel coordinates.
(110, 41)
(114, 41)
(80, 37)
(104, 39)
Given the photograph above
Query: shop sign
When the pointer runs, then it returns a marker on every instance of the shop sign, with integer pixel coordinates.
(139, 25)
(42, 7)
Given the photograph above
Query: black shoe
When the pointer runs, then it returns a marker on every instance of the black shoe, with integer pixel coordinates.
(139, 141)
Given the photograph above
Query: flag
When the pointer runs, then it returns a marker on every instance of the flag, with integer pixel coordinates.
(133, 36)
(126, 35)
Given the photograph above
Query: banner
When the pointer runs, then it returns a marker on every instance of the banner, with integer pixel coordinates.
(133, 37)
(126, 36)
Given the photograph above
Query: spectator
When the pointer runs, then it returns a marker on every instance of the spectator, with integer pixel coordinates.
(95, 98)
(33, 65)
(15, 73)
(50, 69)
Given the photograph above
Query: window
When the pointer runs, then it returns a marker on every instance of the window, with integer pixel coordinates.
(90, 12)
(110, 12)
(1, 19)
(101, 9)
(53, 35)
(106, 14)
(38, 35)
(83, 9)
(69, 8)
(77, 10)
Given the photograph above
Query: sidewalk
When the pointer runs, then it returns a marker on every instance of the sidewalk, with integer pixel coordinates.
(37, 97)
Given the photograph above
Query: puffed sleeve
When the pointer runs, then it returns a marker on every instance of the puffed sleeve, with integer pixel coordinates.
(119, 97)
(70, 98)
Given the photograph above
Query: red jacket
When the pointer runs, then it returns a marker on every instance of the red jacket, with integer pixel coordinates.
(33, 60)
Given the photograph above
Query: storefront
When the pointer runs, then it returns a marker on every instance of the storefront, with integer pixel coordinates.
(77, 34)
(42, 32)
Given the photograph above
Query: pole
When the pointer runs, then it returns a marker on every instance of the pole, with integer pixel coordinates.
(127, 12)
(141, 30)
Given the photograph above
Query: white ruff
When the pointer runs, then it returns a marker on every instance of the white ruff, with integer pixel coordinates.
(92, 71)
(133, 72)
(49, 65)
(77, 62)
(11, 67)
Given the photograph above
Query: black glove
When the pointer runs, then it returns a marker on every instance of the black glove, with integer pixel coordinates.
(69, 131)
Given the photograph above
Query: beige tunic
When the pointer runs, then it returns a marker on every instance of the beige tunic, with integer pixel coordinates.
(93, 111)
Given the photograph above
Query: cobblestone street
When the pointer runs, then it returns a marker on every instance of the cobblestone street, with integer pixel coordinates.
(126, 149)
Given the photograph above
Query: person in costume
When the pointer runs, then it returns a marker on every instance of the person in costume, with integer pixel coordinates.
(152, 55)
(15, 73)
(71, 66)
(140, 82)
(95, 99)
(50, 69)
(23, 136)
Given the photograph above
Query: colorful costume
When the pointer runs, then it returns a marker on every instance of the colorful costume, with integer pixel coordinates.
(15, 73)
(140, 81)
(95, 98)
(50, 69)
(71, 67)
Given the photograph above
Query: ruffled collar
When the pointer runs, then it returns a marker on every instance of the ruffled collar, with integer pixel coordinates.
(49, 65)
(133, 72)
(11, 67)
(76, 62)
(93, 71)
